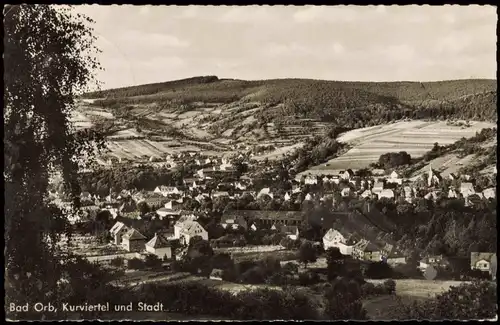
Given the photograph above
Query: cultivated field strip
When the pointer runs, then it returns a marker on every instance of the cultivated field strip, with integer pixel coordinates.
(414, 137)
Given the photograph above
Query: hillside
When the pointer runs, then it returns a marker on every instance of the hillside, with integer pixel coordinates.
(218, 115)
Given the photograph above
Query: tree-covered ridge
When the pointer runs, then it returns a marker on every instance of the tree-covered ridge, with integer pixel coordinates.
(404, 91)
(351, 104)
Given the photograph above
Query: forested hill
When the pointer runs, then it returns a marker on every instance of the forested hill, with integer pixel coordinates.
(364, 103)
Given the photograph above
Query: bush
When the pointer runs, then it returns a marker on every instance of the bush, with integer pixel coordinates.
(222, 261)
(378, 270)
(152, 261)
(309, 278)
(290, 268)
(117, 262)
(279, 279)
(368, 289)
(343, 301)
(135, 264)
(390, 286)
(307, 253)
(477, 300)
(253, 276)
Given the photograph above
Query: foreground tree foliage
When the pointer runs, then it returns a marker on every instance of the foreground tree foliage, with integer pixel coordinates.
(49, 59)
(477, 300)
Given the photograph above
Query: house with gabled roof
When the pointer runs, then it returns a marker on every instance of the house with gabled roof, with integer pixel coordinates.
(333, 238)
(233, 222)
(452, 193)
(265, 191)
(239, 186)
(296, 189)
(118, 231)
(490, 193)
(433, 177)
(483, 261)
(347, 174)
(395, 178)
(159, 246)
(190, 230)
(392, 255)
(220, 194)
(291, 232)
(366, 250)
(377, 188)
(335, 179)
(366, 194)
(467, 189)
(308, 197)
(292, 218)
(409, 193)
(182, 222)
(387, 193)
(346, 191)
(432, 196)
(85, 196)
(168, 212)
(133, 240)
(311, 180)
(433, 260)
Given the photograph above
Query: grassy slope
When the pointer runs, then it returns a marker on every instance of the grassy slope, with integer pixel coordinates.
(242, 108)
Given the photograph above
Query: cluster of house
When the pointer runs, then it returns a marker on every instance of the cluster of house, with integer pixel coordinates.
(286, 222)
(132, 241)
(364, 249)
(385, 186)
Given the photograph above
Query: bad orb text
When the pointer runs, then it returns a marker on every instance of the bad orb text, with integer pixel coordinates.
(104, 307)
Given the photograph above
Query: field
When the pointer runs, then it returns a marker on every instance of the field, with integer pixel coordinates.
(414, 137)
(378, 308)
(382, 307)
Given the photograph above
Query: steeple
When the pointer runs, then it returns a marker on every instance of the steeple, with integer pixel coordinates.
(429, 179)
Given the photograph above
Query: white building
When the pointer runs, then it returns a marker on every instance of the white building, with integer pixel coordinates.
(387, 193)
(345, 192)
(117, 232)
(159, 246)
(333, 238)
(190, 230)
(311, 180)
(183, 222)
(265, 191)
(395, 178)
(467, 189)
(490, 193)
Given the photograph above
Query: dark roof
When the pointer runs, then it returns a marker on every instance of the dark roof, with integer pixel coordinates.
(289, 229)
(265, 215)
(134, 234)
(477, 256)
(366, 246)
(235, 219)
(326, 220)
(158, 241)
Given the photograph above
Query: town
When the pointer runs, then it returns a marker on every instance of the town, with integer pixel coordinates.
(221, 206)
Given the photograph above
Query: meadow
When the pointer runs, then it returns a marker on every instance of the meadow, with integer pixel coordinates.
(414, 137)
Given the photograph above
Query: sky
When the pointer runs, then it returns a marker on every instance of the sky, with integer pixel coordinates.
(147, 44)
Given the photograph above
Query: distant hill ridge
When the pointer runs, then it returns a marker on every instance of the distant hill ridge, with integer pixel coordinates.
(351, 104)
(403, 90)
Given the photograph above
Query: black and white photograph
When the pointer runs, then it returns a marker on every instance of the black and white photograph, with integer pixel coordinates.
(250, 163)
